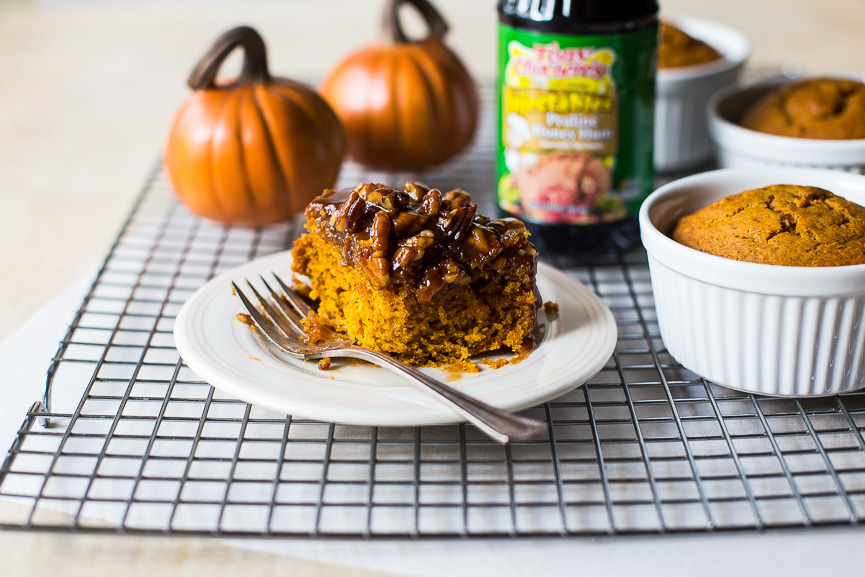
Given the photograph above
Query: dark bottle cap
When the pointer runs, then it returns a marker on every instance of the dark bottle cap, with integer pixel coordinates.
(579, 16)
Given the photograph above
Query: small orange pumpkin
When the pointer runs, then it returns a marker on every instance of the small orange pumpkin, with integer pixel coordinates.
(406, 105)
(253, 151)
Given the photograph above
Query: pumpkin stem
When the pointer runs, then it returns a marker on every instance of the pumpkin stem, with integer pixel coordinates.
(393, 27)
(254, 70)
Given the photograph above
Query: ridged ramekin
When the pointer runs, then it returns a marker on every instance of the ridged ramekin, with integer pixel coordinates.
(740, 147)
(681, 131)
(772, 330)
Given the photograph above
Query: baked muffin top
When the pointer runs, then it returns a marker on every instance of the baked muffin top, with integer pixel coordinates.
(678, 49)
(782, 224)
(822, 108)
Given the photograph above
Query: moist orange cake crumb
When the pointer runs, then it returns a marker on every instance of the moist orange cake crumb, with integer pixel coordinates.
(312, 327)
(496, 363)
(417, 273)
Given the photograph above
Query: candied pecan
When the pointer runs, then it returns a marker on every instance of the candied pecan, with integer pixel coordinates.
(409, 223)
(412, 249)
(424, 238)
(350, 213)
(354, 218)
(481, 219)
(388, 198)
(393, 202)
(416, 190)
(449, 222)
(511, 231)
(454, 273)
(372, 191)
(433, 281)
(457, 198)
(466, 223)
(405, 255)
(377, 269)
(431, 205)
(364, 189)
(373, 197)
(374, 260)
(380, 233)
(484, 242)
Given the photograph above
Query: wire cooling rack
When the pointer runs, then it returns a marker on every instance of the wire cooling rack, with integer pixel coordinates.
(130, 440)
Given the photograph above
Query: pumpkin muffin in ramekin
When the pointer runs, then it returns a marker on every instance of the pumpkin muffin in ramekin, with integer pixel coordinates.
(678, 48)
(813, 122)
(774, 329)
(689, 73)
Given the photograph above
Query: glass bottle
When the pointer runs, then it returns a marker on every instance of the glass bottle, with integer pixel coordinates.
(575, 115)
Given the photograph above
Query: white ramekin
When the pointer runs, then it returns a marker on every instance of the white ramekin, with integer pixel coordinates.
(681, 132)
(773, 330)
(740, 147)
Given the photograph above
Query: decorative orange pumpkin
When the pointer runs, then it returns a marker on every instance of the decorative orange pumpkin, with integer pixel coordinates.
(406, 105)
(255, 150)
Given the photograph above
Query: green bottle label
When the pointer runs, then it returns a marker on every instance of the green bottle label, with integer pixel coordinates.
(576, 116)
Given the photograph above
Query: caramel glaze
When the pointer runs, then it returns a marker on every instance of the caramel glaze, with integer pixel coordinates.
(421, 238)
(245, 319)
(528, 346)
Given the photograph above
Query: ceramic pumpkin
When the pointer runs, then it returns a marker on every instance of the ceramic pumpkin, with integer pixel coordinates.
(405, 105)
(254, 150)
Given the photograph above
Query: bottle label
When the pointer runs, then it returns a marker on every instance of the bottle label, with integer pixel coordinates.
(575, 125)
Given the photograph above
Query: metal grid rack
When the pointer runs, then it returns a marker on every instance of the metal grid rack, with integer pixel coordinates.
(134, 442)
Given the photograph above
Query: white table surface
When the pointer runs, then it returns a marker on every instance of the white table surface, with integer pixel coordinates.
(87, 94)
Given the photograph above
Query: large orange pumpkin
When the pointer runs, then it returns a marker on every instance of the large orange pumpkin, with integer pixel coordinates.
(405, 105)
(255, 150)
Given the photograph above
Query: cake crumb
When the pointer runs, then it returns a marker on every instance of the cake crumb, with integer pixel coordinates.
(551, 308)
(324, 364)
(244, 318)
(456, 369)
(465, 366)
(496, 363)
(313, 328)
(255, 358)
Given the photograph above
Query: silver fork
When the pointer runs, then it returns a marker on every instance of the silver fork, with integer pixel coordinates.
(282, 323)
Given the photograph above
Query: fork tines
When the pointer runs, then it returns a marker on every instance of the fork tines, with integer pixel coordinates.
(282, 318)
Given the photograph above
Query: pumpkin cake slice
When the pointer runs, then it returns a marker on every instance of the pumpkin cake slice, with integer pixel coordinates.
(418, 274)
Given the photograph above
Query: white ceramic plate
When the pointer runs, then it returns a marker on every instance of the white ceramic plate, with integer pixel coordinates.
(574, 346)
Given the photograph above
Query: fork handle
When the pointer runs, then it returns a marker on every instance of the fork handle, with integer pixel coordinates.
(499, 425)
